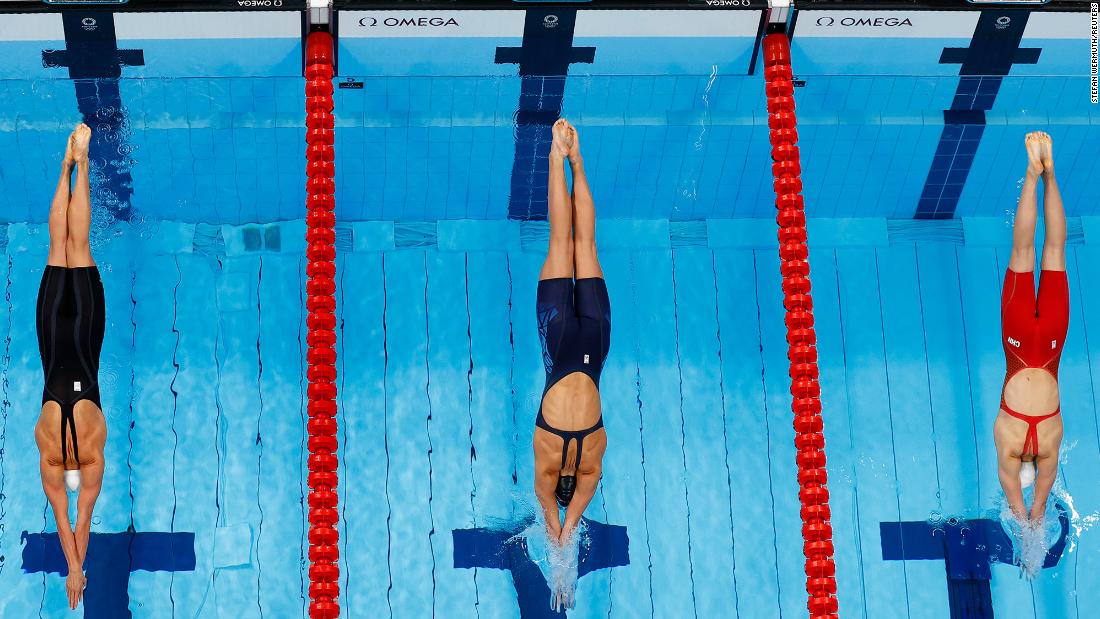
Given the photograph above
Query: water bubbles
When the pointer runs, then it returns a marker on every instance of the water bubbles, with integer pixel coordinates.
(532, 401)
(108, 376)
(706, 107)
(557, 562)
(937, 521)
(1031, 540)
(147, 228)
(691, 193)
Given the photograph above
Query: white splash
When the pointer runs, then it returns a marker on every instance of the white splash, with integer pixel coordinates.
(1031, 540)
(558, 562)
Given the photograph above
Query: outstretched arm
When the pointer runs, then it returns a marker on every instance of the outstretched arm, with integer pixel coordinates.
(545, 484)
(1046, 470)
(587, 483)
(91, 482)
(1008, 471)
(53, 484)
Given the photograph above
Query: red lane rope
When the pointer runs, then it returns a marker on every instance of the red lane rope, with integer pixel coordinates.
(324, 571)
(817, 532)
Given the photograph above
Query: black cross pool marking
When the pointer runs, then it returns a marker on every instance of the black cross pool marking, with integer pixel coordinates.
(967, 548)
(95, 65)
(543, 60)
(111, 558)
(994, 49)
(607, 546)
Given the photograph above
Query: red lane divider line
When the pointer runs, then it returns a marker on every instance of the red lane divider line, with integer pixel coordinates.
(324, 569)
(813, 494)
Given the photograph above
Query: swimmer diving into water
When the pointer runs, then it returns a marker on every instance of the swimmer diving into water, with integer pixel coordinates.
(71, 430)
(574, 318)
(1028, 428)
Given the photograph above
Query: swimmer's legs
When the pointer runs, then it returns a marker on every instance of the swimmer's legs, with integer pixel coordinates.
(585, 258)
(59, 209)
(1054, 246)
(559, 256)
(78, 250)
(1023, 231)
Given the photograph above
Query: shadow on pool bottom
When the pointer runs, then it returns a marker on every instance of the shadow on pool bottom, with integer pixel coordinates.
(968, 548)
(503, 548)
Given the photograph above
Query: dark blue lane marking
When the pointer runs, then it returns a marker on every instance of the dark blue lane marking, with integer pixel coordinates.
(544, 59)
(993, 50)
(111, 558)
(496, 549)
(967, 548)
(95, 64)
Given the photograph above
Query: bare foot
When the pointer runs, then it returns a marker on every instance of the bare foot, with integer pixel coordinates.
(563, 141)
(1046, 152)
(1034, 153)
(575, 149)
(81, 137)
(68, 159)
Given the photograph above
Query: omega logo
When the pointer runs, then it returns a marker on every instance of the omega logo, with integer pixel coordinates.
(875, 22)
(415, 22)
(550, 21)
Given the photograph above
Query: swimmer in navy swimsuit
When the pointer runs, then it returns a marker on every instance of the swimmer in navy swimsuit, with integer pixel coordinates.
(71, 430)
(574, 320)
(1028, 428)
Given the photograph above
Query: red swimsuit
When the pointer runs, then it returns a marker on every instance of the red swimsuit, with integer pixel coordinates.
(1033, 332)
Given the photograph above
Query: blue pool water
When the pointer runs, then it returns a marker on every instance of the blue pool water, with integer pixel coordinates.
(199, 236)
(440, 375)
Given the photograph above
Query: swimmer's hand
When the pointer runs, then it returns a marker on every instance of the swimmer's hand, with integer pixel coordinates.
(566, 533)
(74, 587)
(563, 561)
(563, 599)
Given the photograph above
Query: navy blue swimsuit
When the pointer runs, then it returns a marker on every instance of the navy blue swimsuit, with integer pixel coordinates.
(575, 329)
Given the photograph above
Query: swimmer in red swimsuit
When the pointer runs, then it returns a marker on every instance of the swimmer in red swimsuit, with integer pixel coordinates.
(1033, 330)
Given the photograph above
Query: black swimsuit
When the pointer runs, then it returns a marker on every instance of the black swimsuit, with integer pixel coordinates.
(575, 329)
(70, 321)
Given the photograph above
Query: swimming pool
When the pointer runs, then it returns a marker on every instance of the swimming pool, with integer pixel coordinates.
(200, 238)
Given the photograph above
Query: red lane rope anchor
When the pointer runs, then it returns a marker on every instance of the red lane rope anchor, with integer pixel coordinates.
(324, 571)
(817, 532)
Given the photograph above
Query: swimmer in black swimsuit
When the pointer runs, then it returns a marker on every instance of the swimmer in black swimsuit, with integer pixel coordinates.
(71, 429)
(574, 318)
